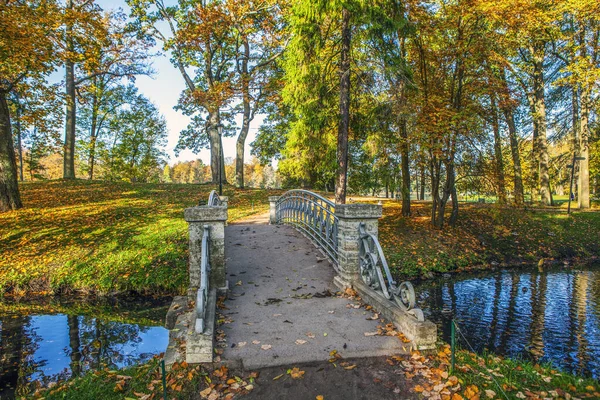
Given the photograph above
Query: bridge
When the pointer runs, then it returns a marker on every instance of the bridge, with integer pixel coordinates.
(306, 281)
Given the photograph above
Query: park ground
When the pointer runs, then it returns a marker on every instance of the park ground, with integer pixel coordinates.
(105, 238)
(101, 238)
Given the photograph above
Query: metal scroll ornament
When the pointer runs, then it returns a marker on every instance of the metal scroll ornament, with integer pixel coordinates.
(371, 262)
(214, 199)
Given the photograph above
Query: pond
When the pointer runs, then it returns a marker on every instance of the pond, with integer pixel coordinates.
(552, 316)
(51, 340)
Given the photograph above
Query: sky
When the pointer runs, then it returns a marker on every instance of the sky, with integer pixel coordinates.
(164, 88)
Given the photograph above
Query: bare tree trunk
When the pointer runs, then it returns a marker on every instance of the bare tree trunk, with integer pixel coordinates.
(539, 120)
(404, 148)
(216, 151)
(10, 198)
(516, 157)
(93, 136)
(19, 142)
(247, 118)
(71, 112)
(583, 196)
(422, 183)
(344, 125)
(500, 184)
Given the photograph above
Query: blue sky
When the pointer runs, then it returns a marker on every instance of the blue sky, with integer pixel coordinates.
(164, 89)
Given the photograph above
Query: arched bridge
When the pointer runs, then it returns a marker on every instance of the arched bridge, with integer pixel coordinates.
(281, 279)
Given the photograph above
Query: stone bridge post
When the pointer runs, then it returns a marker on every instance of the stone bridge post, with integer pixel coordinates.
(350, 216)
(215, 217)
(273, 209)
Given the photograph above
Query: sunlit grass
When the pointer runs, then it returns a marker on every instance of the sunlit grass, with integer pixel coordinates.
(105, 237)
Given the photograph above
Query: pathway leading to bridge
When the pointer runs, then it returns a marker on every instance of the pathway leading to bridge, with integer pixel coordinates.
(282, 308)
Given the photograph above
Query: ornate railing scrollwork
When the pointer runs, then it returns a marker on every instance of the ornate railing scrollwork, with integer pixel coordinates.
(312, 214)
(214, 199)
(372, 260)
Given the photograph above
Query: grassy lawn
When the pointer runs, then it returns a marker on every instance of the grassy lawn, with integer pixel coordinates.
(484, 235)
(104, 237)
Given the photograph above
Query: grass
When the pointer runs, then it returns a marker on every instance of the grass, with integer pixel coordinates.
(101, 237)
(485, 235)
(520, 379)
(183, 381)
(104, 237)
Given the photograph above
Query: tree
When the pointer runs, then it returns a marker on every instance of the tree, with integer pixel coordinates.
(203, 48)
(97, 47)
(135, 153)
(25, 50)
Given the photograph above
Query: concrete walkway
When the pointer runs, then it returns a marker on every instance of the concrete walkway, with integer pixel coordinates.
(282, 308)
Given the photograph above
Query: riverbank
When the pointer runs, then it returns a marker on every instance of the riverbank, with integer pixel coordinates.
(103, 237)
(414, 376)
(486, 237)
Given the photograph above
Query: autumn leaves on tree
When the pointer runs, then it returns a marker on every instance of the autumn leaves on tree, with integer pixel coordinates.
(437, 98)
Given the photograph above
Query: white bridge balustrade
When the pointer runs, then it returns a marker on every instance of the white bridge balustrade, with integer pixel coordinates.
(348, 235)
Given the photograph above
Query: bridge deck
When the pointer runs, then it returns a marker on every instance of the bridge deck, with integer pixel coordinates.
(281, 294)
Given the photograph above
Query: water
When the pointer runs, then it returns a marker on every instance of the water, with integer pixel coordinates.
(551, 316)
(56, 340)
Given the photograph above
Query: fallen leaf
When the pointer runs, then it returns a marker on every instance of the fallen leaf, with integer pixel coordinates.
(278, 376)
(266, 347)
(319, 397)
(296, 373)
(256, 342)
(300, 341)
(490, 394)
(242, 344)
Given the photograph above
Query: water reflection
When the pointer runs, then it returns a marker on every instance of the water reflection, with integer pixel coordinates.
(42, 348)
(551, 316)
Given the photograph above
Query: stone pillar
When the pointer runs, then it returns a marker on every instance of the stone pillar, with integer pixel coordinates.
(350, 216)
(273, 209)
(215, 218)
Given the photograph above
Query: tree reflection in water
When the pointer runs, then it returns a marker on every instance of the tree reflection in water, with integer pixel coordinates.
(548, 316)
(39, 349)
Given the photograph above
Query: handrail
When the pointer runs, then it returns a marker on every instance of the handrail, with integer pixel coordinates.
(372, 260)
(202, 296)
(214, 199)
(312, 214)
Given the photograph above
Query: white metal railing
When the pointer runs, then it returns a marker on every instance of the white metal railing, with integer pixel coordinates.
(372, 260)
(214, 199)
(312, 214)
(203, 291)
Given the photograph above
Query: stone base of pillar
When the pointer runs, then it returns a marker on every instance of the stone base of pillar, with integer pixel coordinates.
(422, 334)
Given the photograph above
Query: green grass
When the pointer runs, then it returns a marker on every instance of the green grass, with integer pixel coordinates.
(485, 235)
(125, 383)
(105, 237)
(518, 378)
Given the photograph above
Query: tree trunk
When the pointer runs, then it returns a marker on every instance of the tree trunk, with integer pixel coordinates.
(344, 124)
(214, 120)
(247, 118)
(93, 136)
(583, 196)
(71, 112)
(575, 133)
(19, 143)
(516, 157)
(422, 183)
(404, 148)
(10, 198)
(500, 184)
(539, 120)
